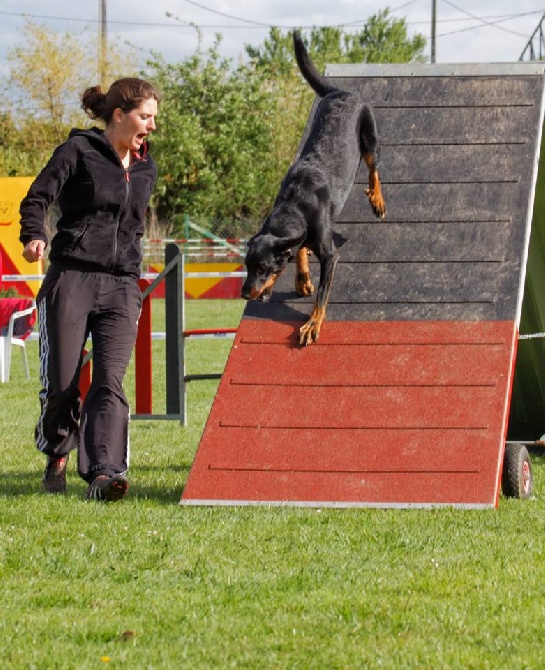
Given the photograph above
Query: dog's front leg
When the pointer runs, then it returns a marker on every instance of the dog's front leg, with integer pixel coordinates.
(303, 281)
(310, 331)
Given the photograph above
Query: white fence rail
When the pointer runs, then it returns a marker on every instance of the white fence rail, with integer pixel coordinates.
(196, 250)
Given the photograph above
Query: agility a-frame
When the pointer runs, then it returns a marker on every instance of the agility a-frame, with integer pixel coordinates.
(409, 395)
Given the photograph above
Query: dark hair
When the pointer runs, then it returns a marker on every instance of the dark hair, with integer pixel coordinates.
(127, 94)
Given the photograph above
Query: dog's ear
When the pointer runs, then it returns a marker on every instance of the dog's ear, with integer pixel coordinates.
(286, 254)
(285, 245)
(284, 248)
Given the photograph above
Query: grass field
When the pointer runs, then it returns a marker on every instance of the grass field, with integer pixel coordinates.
(147, 584)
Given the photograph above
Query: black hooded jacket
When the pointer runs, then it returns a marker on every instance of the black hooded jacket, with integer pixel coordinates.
(103, 205)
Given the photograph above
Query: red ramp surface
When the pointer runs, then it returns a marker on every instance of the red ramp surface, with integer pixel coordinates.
(397, 413)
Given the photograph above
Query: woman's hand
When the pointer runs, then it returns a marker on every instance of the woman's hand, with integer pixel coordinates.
(34, 251)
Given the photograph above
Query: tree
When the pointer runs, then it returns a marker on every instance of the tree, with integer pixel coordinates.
(383, 39)
(25, 146)
(213, 141)
(51, 70)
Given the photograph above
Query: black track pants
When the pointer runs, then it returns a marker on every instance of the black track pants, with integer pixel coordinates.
(72, 304)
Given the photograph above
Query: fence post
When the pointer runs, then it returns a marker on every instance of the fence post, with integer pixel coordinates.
(173, 333)
(143, 355)
(84, 375)
(181, 340)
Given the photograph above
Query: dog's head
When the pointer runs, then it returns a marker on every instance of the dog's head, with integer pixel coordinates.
(266, 257)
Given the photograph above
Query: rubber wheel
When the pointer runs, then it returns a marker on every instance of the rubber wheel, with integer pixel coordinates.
(517, 477)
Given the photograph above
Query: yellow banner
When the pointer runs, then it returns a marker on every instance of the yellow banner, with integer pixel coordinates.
(12, 191)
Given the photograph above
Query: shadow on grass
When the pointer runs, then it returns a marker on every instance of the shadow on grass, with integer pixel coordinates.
(23, 483)
(29, 483)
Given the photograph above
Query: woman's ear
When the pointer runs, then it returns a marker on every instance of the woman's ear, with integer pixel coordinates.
(118, 115)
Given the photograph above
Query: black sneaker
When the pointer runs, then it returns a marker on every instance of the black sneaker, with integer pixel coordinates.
(54, 479)
(108, 489)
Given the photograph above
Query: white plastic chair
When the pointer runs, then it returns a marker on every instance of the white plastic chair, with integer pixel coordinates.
(22, 331)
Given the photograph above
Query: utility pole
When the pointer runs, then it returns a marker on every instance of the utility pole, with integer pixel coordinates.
(433, 29)
(103, 43)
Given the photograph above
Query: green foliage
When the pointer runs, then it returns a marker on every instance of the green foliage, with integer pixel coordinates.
(48, 73)
(26, 147)
(10, 292)
(274, 56)
(146, 584)
(213, 138)
(384, 39)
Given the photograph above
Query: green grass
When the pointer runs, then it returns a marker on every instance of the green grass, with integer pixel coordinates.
(149, 584)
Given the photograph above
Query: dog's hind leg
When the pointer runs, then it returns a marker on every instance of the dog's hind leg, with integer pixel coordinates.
(370, 154)
(303, 281)
(374, 192)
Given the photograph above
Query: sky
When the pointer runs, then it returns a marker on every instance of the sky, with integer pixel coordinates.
(478, 31)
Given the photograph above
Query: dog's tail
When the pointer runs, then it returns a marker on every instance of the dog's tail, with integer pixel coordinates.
(318, 82)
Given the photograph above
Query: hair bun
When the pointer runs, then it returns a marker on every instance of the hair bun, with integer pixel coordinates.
(93, 102)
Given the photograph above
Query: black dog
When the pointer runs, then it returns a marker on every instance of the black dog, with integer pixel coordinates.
(313, 194)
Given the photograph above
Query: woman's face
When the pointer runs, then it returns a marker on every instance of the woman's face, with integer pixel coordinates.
(133, 127)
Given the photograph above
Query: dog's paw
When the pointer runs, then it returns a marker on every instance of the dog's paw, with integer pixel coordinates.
(309, 332)
(265, 296)
(377, 203)
(303, 285)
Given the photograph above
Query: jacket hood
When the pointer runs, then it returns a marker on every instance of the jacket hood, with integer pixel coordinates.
(98, 139)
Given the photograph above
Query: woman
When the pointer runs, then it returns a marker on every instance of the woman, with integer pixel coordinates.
(103, 180)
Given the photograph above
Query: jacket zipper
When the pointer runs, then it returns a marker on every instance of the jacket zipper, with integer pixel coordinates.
(127, 180)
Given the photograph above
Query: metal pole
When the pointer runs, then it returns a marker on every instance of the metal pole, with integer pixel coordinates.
(180, 277)
(103, 43)
(172, 325)
(433, 29)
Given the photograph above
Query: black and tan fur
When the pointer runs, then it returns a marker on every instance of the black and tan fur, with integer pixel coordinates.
(313, 193)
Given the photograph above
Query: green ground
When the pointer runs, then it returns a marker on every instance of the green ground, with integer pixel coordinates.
(146, 583)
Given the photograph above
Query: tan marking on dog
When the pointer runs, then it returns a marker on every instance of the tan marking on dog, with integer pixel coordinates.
(310, 331)
(303, 281)
(267, 285)
(374, 192)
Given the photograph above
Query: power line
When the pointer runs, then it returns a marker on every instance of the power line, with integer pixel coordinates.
(235, 18)
(78, 20)
(491, 24)
(484, 21)
(490, 20)
(147, 24)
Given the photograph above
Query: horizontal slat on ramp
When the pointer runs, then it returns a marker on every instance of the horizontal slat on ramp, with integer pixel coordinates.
(426, 289)
(361, 407)
(466, 126)
(445, 91)
(374, 412)
(315, 489)
(351, 450)
(448, 164)
(438, 202)
(432, 242)
(383, 365)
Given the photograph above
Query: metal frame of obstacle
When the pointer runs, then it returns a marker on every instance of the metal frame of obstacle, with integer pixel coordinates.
(175, 336)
